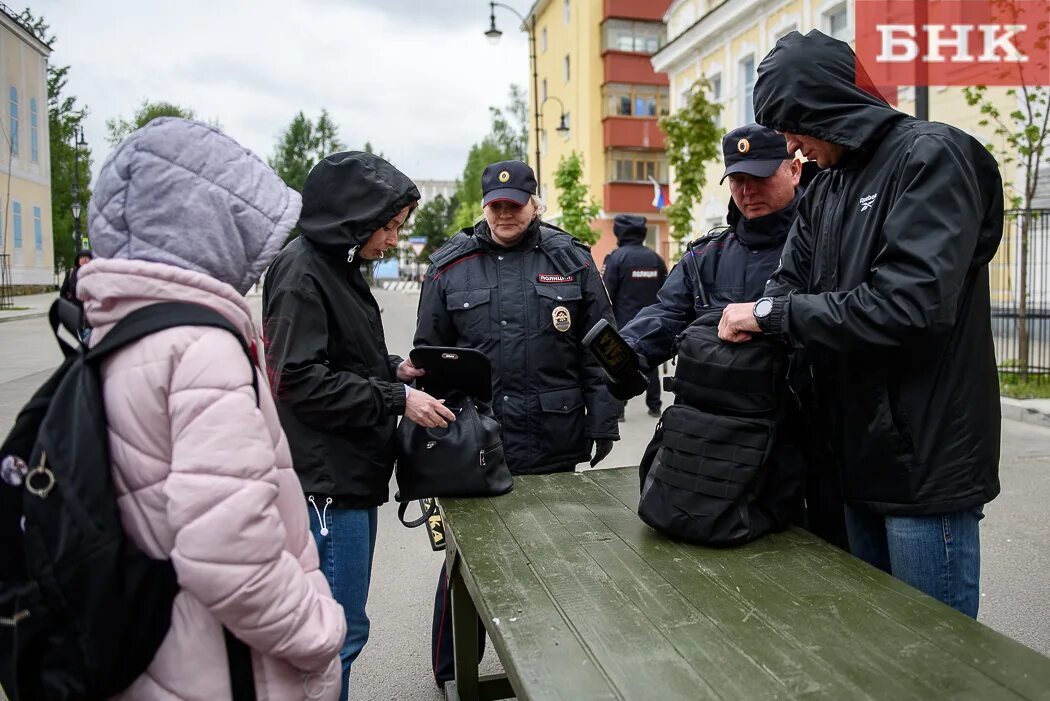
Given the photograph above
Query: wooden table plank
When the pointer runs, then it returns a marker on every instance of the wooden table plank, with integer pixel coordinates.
(538, 649)
(893, 619)
(636, 657)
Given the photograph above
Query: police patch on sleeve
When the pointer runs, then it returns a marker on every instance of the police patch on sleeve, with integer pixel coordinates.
(562, 319)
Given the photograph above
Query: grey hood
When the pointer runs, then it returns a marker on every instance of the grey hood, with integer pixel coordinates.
(183, 193)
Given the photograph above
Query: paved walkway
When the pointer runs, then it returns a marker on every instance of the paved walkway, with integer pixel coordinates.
(28, 307)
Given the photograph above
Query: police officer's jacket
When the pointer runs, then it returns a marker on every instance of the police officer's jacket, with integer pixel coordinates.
(730, 264)
(527, 308)
(633, 275)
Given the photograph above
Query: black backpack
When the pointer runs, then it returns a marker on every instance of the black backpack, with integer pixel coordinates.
(82, 610)
(720, 470)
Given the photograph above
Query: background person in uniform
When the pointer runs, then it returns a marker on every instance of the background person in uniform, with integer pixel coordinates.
(339, 391)
(885, 276)
(525, 293)
(633, 276)
(732, 264)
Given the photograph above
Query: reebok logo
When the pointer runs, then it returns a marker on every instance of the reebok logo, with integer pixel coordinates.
(867, 202)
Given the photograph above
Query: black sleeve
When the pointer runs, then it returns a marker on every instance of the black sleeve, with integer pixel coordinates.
(611, 276)
(796, 259)
(928, 242)
(297, 355)
(433, 324)
(602, 410)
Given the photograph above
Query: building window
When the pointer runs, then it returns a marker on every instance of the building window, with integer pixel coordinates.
(568, 125)
(543, 143)
(38, 230)
(565, 68)
(543, 40)
(637, 166)
(623, 100)
(566, 11)
(716, 95)
(16, 208)
(543, 90)
(836, 22)
(637, 37)
(784, 31)
(14, 121)
(34, 132)
(747, 90)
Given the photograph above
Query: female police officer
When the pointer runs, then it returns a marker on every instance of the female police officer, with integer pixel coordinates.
(524, 293)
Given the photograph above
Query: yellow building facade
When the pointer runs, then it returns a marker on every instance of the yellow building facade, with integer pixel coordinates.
(725, 41)
(25, 181)
(593, 67)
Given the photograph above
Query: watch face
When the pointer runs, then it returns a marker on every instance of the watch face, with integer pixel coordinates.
(763, 307)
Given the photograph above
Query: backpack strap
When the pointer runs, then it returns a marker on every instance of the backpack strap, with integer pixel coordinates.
(166, 315)
(239, 659)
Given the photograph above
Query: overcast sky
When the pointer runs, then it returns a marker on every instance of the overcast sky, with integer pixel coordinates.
(414, 77)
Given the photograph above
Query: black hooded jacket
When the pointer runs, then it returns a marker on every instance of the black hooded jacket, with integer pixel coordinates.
(633, 274)
(336, 386)
(886, 277)
(527, 308)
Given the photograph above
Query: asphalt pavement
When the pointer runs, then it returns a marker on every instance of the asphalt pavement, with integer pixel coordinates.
(1015, 548)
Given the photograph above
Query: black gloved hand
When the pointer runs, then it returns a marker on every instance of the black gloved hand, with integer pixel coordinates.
(602, 448)
(623, 390)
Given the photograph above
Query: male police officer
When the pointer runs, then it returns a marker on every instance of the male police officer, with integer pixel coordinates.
(732, 264)
(633, 276)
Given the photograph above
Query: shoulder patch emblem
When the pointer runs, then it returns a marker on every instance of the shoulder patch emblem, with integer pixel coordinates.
(562, 319)
(551, 278)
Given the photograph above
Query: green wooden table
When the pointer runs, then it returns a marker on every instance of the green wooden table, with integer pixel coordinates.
(584, 601)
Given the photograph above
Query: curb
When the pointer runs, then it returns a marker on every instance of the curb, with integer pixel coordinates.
(1017, 410)
(23, 317)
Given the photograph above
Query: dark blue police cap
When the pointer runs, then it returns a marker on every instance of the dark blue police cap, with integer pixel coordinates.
(629, 223)
(508, 180)
(754, 150)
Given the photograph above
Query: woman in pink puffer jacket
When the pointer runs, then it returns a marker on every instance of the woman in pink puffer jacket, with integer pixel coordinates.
(204, 477)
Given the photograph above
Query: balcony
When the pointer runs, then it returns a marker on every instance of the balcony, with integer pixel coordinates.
(630, 197)
(632, 132)
(651, 10)
(627, 67)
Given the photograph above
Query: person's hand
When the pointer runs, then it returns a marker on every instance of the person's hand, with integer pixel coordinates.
(632, 386)
(738, 323)
(406, 371)
(426, 411)
(602, 448)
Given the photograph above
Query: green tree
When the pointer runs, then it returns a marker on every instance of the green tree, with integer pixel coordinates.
(302, 145)
(433, 220)
(326, 136)
(507, 140)
(578, 210)
(118, 127)
(693, 138)
(64, 116)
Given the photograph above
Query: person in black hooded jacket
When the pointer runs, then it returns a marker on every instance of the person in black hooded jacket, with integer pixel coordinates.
(338, 391)
(884, 280)
(633, 275)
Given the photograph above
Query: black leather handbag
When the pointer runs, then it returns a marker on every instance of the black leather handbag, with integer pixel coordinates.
(466, 458)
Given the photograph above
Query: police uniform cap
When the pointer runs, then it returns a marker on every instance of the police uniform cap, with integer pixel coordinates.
(512, 181)
(753, 149)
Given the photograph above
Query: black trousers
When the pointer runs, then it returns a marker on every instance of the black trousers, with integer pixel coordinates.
(441, 633)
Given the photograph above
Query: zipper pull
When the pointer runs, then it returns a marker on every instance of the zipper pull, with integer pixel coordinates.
(482, 456)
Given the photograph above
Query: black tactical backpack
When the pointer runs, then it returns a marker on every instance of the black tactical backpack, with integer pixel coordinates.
(719, 470)
(82, 610)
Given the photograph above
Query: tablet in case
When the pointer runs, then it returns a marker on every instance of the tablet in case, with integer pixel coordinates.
(453, 369)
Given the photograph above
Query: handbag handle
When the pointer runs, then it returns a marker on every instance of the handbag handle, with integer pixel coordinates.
(402, 509)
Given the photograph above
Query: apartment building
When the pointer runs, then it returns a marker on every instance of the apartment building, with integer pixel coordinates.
(594, 73)
(26, 251)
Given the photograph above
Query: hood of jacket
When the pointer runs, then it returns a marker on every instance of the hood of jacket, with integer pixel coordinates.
(183, 193)
(348, 196)
(811, 85)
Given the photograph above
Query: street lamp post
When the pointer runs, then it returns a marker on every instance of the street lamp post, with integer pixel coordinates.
(563, 127)
(78, 142)
(494, 35)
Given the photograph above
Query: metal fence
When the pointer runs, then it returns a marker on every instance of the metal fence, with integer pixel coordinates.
(1011, 270)
(7, 296)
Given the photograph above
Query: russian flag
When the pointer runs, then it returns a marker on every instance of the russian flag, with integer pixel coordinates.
(659, 201)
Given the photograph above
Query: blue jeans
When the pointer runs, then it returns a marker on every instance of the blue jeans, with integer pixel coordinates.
(939, 555)
(346, 550)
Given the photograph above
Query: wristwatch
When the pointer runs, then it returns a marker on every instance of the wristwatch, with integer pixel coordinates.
(767, 313)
